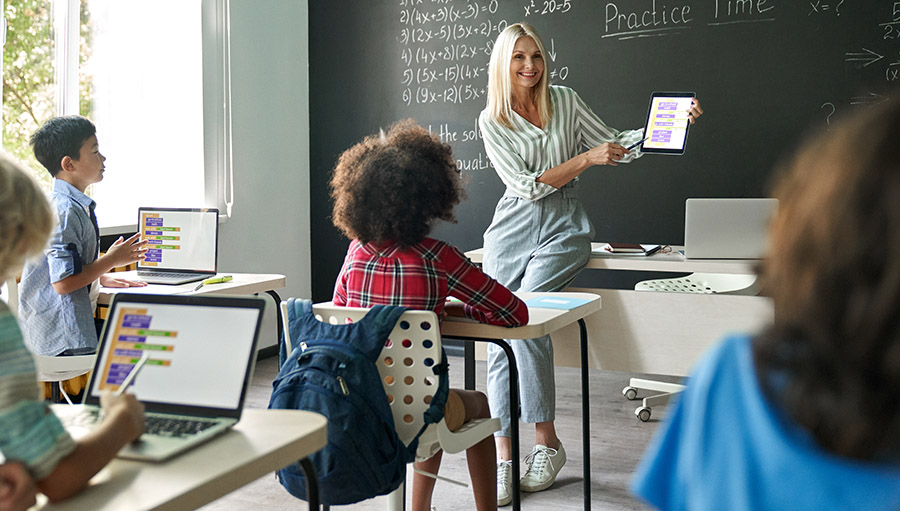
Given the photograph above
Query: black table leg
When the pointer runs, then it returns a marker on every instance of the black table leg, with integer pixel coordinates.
(280, 327)
(312, 484)
(469, 361)
(585, 415)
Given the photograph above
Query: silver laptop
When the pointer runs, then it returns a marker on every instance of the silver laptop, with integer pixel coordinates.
(196, 380)
(182, 244)
(726, 228)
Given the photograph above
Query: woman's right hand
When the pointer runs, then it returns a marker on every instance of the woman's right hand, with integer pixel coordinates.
(126, 411)
(606, 154)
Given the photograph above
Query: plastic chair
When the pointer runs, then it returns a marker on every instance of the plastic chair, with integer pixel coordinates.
(410, 384)
(52, 369)
(698, 283)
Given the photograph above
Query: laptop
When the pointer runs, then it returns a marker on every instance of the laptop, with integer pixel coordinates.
(203, 351)
(182, 244)
(727, 228)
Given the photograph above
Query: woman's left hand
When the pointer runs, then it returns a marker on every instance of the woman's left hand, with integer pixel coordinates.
(695, 111)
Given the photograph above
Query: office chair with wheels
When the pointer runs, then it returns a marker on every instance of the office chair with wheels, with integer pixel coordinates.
(409, 382)
(697, 283)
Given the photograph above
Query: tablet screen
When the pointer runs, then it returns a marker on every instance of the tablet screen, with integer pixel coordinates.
(667, 122)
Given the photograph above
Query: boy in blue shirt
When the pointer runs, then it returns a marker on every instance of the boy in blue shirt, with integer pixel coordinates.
(59, 292)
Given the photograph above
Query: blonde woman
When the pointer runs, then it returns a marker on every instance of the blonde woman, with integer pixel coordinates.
(540, 138)
(29, 432)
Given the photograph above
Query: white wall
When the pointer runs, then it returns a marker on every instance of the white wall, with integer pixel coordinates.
(269, 228)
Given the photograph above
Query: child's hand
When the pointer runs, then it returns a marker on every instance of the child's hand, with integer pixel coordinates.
(17, 489)
(124, 252)
(110, 280)
(126, 410)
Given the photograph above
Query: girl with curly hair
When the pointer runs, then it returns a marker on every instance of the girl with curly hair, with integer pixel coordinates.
(389, 190)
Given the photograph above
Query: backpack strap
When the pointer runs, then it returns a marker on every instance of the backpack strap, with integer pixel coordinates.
(367, 335)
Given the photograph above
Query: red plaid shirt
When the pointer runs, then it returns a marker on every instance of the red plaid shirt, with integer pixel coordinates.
(421, 277)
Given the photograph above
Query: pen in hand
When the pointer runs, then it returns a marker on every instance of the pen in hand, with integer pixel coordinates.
(632, 146)
(133, 374)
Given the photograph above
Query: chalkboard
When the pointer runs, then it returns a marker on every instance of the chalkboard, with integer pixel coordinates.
(765, 71)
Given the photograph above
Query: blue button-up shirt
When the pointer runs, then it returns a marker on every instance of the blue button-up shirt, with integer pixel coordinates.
(54, 323)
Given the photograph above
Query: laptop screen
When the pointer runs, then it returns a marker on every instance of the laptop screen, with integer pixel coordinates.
(202, 349)
(181, 239)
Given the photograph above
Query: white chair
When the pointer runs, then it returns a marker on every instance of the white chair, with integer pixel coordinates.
(52, 369)
(698, 283)
(405, 366)
(60, 369)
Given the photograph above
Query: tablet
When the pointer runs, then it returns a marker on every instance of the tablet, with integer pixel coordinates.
(666, 129)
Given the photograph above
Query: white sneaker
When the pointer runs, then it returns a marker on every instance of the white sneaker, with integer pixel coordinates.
(543, 465)
(504, 483)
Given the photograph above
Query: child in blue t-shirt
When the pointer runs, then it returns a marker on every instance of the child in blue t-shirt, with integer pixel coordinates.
(59, 292)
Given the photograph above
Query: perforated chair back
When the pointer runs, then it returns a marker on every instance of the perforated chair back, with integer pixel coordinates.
(703, 283)
(405, 365)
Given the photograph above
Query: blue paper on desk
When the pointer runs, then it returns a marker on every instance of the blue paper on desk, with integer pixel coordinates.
(556, 302)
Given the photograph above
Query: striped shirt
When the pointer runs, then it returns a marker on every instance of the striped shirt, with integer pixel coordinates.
(29, 432)
(521, 155)
(421, 277)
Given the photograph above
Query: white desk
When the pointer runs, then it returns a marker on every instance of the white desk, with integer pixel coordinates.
(262, 442)
(673, 261)
(541, 322)
(240, 284)
(652, 332)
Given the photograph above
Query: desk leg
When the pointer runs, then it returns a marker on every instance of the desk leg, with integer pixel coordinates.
(469, 362)
(513, 420)
(280, 326)
(513, 407)
(312, 484)
(585, 415)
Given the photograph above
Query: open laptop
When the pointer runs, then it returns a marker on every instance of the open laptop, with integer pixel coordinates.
(195, 382)
(726, 228)
(183, 244)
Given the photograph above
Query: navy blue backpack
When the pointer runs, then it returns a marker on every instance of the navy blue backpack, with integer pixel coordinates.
(332, 371)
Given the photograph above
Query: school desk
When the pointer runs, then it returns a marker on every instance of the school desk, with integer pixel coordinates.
(541, 321)
(653, 332)
(260, 443)
(240, 284)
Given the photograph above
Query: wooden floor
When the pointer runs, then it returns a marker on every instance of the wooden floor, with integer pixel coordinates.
(618, 439)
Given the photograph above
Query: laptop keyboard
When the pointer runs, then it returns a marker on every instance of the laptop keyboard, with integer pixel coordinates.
(172, 427)
(176, 427)
(165, 275)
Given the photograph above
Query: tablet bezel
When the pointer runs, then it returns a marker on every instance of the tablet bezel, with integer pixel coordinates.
(653, 96)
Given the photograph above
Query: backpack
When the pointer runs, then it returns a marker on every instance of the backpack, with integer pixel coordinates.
(331, 370)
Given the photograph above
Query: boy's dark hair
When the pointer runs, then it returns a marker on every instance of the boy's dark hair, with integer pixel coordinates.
(60, 137)
(832, 358)
(393, 186)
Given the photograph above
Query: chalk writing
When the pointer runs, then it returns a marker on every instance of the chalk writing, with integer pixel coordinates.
(728, 12)
(656, 20)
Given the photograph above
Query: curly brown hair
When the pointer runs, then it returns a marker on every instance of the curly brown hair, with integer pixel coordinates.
(831, 360)
(393, 186)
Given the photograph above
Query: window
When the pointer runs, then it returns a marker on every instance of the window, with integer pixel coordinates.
(137, 70)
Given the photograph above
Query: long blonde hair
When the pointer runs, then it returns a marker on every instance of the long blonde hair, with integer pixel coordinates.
(499, 96)
(25, 217)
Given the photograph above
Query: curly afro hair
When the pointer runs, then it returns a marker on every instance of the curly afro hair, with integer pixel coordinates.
(394, 186)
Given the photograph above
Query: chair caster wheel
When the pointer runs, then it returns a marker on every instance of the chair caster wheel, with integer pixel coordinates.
(630, 393)
(642, 413)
